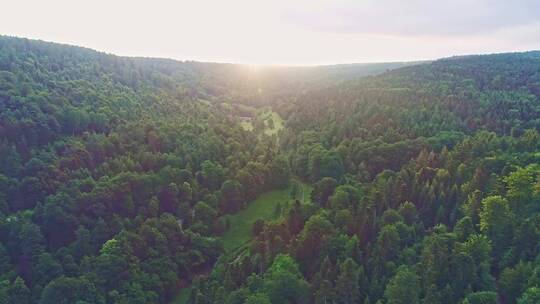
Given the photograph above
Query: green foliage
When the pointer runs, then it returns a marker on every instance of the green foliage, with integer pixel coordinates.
(18, 292)
(347, 282)
(284, 283)
(530, 296)
(496, 221)
(403, 288)
(258, 298)
(122, 179)
(482, 297)
(513, 281)
(70, 290)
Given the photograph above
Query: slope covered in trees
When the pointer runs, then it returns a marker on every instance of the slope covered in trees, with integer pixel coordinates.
(424, 191)
(117, 175)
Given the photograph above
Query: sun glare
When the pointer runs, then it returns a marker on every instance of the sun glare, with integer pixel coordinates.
(270, 32)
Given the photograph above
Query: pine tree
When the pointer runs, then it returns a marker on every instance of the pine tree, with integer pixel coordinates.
(347, 289)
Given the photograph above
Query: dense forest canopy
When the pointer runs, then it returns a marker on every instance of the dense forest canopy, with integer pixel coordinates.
(119, 177)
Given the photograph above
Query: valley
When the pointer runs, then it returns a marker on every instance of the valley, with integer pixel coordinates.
(147, 180)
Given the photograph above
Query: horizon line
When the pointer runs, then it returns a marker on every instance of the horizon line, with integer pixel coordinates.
(266, 65)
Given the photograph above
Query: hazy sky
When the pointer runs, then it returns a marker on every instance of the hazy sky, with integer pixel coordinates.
(300, 32)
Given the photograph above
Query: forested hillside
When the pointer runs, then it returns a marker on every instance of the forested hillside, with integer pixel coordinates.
(119, 176)
(426, 190)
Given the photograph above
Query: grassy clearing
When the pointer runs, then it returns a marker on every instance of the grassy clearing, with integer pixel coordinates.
(248, 126)
(239, 232)
(305, 194)
(272, 122)
(271, 127)
(263, 207)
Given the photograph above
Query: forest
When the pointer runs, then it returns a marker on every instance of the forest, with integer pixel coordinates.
(133, 180)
